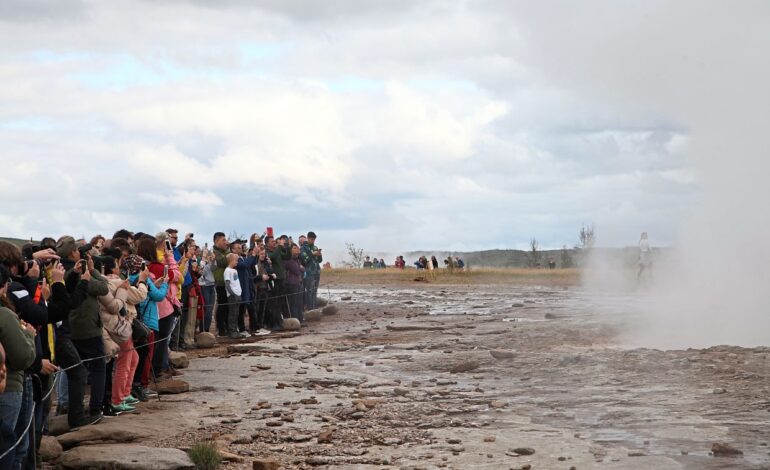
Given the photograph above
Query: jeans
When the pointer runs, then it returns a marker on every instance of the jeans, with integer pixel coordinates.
(178, 338)
(261, 307)
(143, 366)
(97, 375)
(67, 356)
(311, 282)
(296, 300)
(232, 314)
(209, 296)
(10, 406)
(25, 414)
(62, 392)
(160, 354)
(222, 327)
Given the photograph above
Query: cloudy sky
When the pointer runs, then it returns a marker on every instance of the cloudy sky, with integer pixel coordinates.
(397, 125)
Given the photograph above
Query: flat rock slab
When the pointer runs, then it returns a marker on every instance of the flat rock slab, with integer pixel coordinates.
(50, 449)
(415, 328)
(170, 387)
(122, 456)
(98, 435)
(501, 354)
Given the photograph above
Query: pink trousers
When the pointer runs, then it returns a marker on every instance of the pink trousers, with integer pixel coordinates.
(125, 367)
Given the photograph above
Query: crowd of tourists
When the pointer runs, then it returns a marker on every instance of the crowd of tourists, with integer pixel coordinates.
(105, 314)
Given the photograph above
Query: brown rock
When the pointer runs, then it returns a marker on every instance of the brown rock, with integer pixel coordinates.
(313, 315)
(722, 449)
(205, 340)
(170, 387)
(501, 354)
(178, 359)
(400, 391)
(497, 404)
(465, 366)
(97, 434)
(325, 437)
(490, 439)
(50, 449)
(330, 310)
(524, 450)
(265, 464)
(291, 324)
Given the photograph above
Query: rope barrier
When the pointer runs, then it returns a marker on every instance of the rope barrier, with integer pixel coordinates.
(56, 374)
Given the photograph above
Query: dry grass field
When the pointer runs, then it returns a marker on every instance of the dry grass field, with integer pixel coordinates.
(442, 276)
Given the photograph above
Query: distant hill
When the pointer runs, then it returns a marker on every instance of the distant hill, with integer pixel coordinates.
(16, 241)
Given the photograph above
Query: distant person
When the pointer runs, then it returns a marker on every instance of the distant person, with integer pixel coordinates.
(367, 263)
(645, 256)
(551, 263)
(400, 263)
(434, 262)
(233, 287)
(460, 264)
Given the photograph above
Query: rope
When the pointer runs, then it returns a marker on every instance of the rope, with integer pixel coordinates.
(55, 375)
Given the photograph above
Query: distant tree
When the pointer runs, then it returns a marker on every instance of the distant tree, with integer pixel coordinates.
(566, 257)
(234, 235)
(587, 237)
(534, 253)
(355, 256)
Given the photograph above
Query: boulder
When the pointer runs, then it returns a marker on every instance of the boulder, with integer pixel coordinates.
(50, 449)
(501, 354)
(58, 425)
(291, 324)
(205, 340)
(170, 387)
(321, 302)
(178, 359)
(265, 464)
(125, 457)
(330, 310)
(313, 315)
(97, 435)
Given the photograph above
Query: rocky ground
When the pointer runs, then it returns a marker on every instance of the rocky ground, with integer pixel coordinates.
(537, 380)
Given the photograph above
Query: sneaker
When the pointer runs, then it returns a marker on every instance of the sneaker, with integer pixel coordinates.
(123, 408)
(235, 336)
(137, 392)
(150, 393)
(244, 334)
(110, 411)
(129, 400)
(86, 420)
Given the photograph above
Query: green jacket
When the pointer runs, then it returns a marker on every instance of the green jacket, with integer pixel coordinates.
(220, 259)
(277, 257)
(85, 320)
(19, 347)
(311, 262)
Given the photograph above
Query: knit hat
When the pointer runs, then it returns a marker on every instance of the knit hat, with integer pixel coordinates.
(132, 264)
(65, 246)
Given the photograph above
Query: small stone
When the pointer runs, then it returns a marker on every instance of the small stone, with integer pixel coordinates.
(262, 367)
(636, 453)
(562, 459)
(501, 354)
(178, 359)
(400, 391)
(454, 441)
(325, 437)
(526, 466)
(313, 315)
(490, 439)
(497, 404)
(265, 464)
(719, 391)
(524, 450)
(170, 387)
(465, 366)
(274, 424)
(721, 449)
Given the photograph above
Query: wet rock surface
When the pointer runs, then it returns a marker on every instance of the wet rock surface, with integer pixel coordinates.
(570, 394)
(129, 457)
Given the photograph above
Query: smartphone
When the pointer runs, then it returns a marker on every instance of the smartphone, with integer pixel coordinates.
(83, 265)
(165, 271)
(144, 265)
(269, 231)
(168, 245)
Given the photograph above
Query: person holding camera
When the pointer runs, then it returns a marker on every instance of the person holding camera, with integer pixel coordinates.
(311, 257)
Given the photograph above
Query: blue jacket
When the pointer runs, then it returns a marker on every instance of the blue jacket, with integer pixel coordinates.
(147, 310)
(246, 277)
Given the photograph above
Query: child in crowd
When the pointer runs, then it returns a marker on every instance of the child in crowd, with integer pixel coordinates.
(233, 286)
